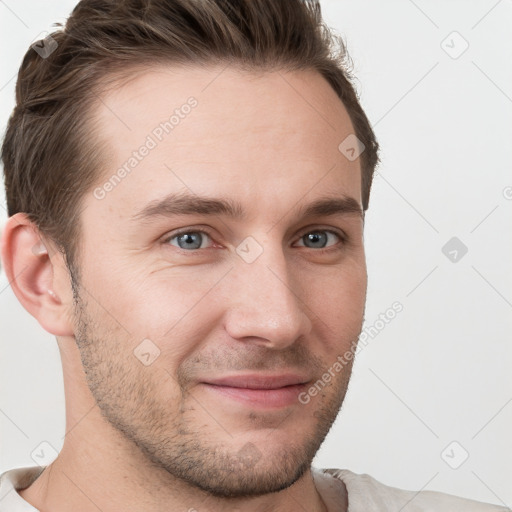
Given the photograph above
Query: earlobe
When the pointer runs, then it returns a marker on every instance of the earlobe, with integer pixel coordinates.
(35, 275)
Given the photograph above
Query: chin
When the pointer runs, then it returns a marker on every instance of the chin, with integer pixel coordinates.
(249, 482)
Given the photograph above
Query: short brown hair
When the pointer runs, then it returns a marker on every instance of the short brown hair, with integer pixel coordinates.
(50, 157)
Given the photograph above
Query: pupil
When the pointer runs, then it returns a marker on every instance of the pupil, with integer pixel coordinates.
(191, 241)
(315, 238)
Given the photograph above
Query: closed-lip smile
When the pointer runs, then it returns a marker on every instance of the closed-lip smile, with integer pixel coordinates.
(259, 389)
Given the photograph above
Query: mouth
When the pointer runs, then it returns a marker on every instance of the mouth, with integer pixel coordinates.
(259, 390)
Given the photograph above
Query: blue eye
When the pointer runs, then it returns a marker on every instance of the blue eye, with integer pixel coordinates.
(318, 239)
(195, 240)
(189, 240)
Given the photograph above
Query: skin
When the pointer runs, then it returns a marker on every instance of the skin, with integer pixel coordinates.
(155, 437)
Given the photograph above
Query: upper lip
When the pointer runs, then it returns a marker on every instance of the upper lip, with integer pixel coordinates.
(259, 381)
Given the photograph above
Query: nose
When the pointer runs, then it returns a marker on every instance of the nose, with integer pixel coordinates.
(265, 304)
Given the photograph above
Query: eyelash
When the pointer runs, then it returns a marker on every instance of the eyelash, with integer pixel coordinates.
(343, 239)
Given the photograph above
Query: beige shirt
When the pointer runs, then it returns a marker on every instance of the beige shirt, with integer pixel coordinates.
(365, 494)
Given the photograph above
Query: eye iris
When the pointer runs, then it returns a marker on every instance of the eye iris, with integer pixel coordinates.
(315, 238)
(190, 240)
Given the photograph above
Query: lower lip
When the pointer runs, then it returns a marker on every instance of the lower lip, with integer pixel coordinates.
(265, 398)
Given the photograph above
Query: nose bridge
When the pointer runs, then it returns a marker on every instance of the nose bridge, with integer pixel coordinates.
(264, 305)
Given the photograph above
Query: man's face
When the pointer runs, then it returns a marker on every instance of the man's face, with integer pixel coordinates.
(199, 330)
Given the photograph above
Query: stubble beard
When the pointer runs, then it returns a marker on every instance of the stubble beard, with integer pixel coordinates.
(127, 398)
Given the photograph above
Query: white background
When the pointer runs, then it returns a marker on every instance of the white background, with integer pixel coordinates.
(440, 371)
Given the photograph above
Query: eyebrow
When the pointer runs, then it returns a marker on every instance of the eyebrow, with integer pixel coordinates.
(175, 204)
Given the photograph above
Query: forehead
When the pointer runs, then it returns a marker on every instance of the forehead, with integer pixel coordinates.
(221, 130)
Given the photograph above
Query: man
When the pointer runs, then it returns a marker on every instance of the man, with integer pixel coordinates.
(186, 184)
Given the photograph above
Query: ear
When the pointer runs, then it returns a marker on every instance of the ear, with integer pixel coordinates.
(38, 275)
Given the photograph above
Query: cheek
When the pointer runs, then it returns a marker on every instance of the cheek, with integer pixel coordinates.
(172, 308)
(343, 284)
(352, 291)
(338, 299)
